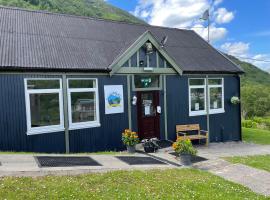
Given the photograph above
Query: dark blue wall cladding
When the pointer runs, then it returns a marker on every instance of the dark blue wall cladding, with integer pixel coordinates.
(108, 136)
(227, 126)
(13, 120)
(223, 127)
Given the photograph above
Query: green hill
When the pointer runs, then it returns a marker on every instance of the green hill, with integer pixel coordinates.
(90, 8)
(253, 75)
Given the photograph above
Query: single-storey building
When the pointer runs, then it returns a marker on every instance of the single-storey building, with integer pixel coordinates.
(73, 84)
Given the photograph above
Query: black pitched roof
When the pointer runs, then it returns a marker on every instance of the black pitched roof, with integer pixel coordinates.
(36, 40)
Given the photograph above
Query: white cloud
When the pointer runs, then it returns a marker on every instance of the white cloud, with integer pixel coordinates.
(262, 61)
(217, 2)
(171, 13)
(241, 51)
(236, 48)
(223, 16)
(215, 33)
(184, 14)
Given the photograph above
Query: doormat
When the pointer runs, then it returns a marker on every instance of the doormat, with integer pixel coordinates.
(164, 143)
(64, 161)
(194, 159)
(138, 160)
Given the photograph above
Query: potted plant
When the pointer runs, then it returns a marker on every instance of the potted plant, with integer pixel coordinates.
(185, 149)
(130, 139)
(235, 100)
(150, 145)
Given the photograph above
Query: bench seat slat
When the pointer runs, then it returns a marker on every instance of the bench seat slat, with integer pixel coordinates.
(193, 137)
(182, 129)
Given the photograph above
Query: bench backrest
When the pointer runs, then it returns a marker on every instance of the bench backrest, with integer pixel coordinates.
(188, 127)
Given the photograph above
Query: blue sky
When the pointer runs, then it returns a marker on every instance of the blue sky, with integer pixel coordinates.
(238, 27)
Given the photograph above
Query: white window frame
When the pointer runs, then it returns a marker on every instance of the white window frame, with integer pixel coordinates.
(218, 110)
(211, 111)
(200, 112)
(89, 124)
(43, 129)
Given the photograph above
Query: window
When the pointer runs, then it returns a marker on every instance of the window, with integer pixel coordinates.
(83, 103)
(197, 97)
(44, 108)
(216, 95)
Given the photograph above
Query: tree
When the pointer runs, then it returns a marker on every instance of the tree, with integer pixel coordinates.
(255, 101)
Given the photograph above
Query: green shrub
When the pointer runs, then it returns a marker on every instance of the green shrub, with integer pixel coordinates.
(249, 124)
(262, 122)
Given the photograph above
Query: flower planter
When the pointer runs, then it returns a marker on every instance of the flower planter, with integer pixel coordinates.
(149, 147)
(185, 159)
(131, 149)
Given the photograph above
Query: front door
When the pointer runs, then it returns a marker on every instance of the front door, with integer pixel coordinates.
(148, 116)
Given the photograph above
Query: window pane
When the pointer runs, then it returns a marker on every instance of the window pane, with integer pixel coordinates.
(43, 84)
(150, 81)
(83, 83)
(196, 81)
(215, 98)
(197, 99)
(148, 109)
(83, 105)
(214, 81)
(44, 109)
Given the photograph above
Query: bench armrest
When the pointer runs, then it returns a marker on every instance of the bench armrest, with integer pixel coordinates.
(182, 133)
(204, 132)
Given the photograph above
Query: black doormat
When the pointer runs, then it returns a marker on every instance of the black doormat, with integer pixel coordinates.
(138, 160)
(194, 159)
(164, 143)
(64, 161)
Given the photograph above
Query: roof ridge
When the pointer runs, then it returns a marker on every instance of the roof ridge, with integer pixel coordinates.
(89, 18)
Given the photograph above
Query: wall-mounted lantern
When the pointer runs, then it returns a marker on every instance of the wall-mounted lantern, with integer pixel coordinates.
(149, 47)
(134, 100)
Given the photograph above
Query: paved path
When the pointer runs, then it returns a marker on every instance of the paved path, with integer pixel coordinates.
(256, 180)
(25, 165)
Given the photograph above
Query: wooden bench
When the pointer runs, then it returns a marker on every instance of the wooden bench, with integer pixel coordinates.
(181, 132)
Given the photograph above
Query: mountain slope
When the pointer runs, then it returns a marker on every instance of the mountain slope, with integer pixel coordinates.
(90, 8)
(253, 75)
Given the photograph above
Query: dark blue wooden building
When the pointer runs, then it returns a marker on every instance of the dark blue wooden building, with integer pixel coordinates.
(73, 84)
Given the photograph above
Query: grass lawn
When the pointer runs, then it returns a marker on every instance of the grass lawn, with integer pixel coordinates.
(154, 184)
(258, 161)
(257, 136)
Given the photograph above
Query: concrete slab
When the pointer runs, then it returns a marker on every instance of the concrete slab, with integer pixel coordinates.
(256, 180)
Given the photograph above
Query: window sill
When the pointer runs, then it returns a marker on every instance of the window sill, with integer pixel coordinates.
(218, 111)
(84, 126)
(191, 114)
(44, 130)
(211, 112)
